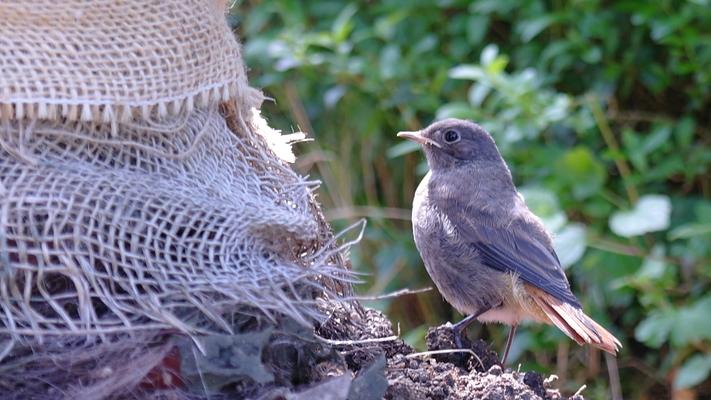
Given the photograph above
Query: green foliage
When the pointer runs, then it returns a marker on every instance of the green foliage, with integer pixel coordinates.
(693, 372)
(600, 109)
(649, 214)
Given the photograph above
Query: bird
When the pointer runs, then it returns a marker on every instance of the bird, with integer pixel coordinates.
(489, 256)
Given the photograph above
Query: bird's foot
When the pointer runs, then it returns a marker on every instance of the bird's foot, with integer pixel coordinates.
(459, 334)
(459, 330)
(444, 341)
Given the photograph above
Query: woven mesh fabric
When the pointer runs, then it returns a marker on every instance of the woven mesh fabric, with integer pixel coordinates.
(107, 60)
(170, 228)
(142, 198)
(104, 235)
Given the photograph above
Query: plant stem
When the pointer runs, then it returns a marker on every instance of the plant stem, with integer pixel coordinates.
(611, 142)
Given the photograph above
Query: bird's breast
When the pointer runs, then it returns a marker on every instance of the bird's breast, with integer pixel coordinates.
(458, 273)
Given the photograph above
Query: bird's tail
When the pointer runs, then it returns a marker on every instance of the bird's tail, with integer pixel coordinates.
(574, 323)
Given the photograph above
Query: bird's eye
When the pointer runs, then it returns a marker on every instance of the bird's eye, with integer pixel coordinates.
(451, 136)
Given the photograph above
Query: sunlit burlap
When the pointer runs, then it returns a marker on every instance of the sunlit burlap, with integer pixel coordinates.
(142, 198)
(107, 60)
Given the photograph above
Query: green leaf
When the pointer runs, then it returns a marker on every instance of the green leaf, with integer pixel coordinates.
(658, 137)
(655, 329)
(653, 265)
(650, 214)
(689, 230)
(544, 203)
(477, 93)
(633, 149)
(662, 27)
(570, 243)
(497, 65)
(385, 26)
(427, 44)
(389, 61)
(558, 108)
(694, 371)
(529, 29)
(456, 110)
(488, 55)
(402, 148)
(343, 24)
(703, 211)
(669, 166)
(493, 6)
(333, 94)
(582, 172)
(684, 131)
(696, 316)
(471, 72)
(477, 26)
(592, 55)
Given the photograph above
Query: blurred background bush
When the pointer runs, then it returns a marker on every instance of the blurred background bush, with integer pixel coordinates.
(602, 110)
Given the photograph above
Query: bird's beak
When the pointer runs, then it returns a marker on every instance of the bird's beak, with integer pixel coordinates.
(417, 137)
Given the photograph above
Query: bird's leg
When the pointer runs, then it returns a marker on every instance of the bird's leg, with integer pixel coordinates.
(509, 340)
(459, 328)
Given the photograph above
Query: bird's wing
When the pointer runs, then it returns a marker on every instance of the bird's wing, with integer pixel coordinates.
(521, 247)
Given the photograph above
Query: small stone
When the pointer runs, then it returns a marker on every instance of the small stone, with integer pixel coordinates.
(398, 358)
(495, 370)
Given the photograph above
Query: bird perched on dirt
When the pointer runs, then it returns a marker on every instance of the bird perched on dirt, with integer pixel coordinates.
(487, 253)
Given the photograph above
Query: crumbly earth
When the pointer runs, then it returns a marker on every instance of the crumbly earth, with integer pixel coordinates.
(462, 375)
(354, 355)
(454, 375)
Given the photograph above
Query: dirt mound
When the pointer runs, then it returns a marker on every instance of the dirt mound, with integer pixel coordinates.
(474, 374)
(462, 375)
(353, 355)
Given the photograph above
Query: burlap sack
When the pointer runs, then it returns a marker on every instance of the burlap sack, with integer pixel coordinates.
(107, 60)
(141, 195)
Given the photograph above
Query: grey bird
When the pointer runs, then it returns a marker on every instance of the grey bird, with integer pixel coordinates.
(487, 253)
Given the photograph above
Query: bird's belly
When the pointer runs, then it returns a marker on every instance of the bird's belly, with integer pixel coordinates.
(506, 315)
(464, 283)
(470, 287)
(459, 273)
(517, 306)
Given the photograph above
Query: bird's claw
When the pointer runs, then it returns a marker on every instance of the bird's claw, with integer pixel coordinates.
(458, 337)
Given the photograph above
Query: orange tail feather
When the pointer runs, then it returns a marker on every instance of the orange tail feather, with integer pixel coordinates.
(573, 322)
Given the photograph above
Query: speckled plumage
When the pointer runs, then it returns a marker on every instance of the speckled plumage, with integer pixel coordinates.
(481, 245)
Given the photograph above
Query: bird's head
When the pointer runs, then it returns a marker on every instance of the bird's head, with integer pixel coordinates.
(452, 142)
